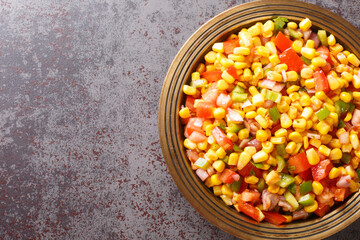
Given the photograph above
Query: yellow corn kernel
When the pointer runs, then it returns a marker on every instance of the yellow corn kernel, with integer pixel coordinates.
(273, 188)
(311, 208)
(227, 77)
(346, 147)
(292, 76)
(243, 134)
(242, 50)
(200, 68)
(210, 57)
(281, 191)
(271, 47)
(262, 121)
(195, 76)
(208, 129)
(254, 30)
(277, 140)
(274, 59)
(310, 44)
(281, 133)
(305, 100)
(189, 90)
(317, 187)
(354, 187)
(308, 52)
(299, 123)
(297, 45)
(306, 73)
(305, 24)
(219, 165)
(260, 156)
(233, 136)
(285, 121)
(244, 159)
(290, 147)
(335, 154)
(347, 76)
(292, 25)
(296, 137)
(263, 51)
(222, 84)
(217, 190)
(219, 113)
(251, 179)
(346, 97)
(324, 150)
(298, 180)
(262, 111)
(272, 178)
(315, 142)
(274, 76)
(251, 114)
(221, 153)
(325, 139)
(306, 142)
(310, 83)
(350, 171)
(336, 49)
(240, 65)
(353, 60)
(189, 144)
(293, 88)
(202, 145)
(211, 155)
(289, 218)
(227, 199)
(215, 180)
(331, 40)
(233, 159)
(356, 81)
(307, 113)
(268, 26)
(226, 190)
(335, 143)
(250, 149)
(312, 156)
(280, 67)
(247, 74)
(184, 113)
(323, 128)
(261, 135)
(334, 173)
(218, 47)
(354, 140)
(267, 147)
(318, 62)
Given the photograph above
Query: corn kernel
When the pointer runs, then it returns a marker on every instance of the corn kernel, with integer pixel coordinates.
(219, 165)
(189, 144)
(189, 90)
(334, 173)
(353, 60)
(221, 153)
(310, 83)
(250, 149)
(243, 134)
(267, 147)
(315, 142)
(281, 133)
(226, 190)
(331, 40)
(335, 154)
(233, 159)
(324, 150)
(242, 50)
(268, 26)
(285, 121)
(296, 137)
(306, 73)
(260, 156)
(261, 135)
(218, 47)
(290, 147)
(308, 52)
(310, 44)
(215, 180)
(222, 84)
(305, 24)
(297, 45)
(184, 112)
(262, 121)
(306, 142)
(211, 155)
(272, 178)
(307, 113)
(273, 188)
(323, 128)
(311, 208)
(244, 159)
(312, 156)
(272, 48)
(263, 51)
(274, 76)
(299, 123)
(317, 187)
(318, 62)
(202, 145)
(210, 57)
(251, 179)
(354, 139)
(227, 77)
(346, 97)
(219, 113)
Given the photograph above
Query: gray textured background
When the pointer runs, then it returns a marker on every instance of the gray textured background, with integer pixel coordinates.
(79, 87)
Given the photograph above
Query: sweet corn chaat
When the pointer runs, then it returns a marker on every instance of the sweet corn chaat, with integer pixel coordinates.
(272, 121)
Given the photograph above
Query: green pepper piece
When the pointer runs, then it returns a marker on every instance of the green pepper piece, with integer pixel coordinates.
(279, 23)
(280, 163)
(294, 34)
(322, 37)
(286, 180)
(274, 114)
(292, 188)
(346, 158)
(291, 199)
(257, 165)
(261, 185)
(239, 97)
(202, 163)
(235, 186)
(358, 173)
(273, 96)
(341, 107)
(305, 60)
(322, 113)
(341, 124)
(351, 107)
(280, 148)
(238, 89)
(306, 200)
(237, 148)
(225, 159)
(234, 128)
(305, 187)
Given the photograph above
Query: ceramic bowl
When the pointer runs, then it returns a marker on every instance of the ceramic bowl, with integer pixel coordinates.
(171, 130)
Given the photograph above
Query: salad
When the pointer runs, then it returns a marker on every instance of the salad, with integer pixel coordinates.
(272, 121)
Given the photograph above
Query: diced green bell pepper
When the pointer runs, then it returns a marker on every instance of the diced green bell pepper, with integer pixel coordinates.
(358, 173)
(292, 188)
(280, 163)
(294, 34)
(286, 180)
(274, 114)
(322, 113)
(291, 199)
(305, 60)
(346, 158)
(273, 96)
(238, 97)
(258, 165)
(237, 148)
(234, 128)
(261, 185)
(280, 149)
(306, 200)
(341, 124)
(279, 23)
(202, 163)
(322, 37)
(305, 187)
(238, 89)
(235, 186)
(342, 107)
(226, 159)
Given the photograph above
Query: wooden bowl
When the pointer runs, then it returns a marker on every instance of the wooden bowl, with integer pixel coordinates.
(171, 129)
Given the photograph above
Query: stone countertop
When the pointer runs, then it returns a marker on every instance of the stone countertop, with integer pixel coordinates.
(79, 88)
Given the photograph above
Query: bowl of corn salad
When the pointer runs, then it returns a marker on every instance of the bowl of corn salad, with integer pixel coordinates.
(259, 121)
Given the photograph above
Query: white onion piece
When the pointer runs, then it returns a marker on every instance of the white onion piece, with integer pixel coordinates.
(286, 32)
(344, 181)
(311, 91)
(355, 120)
(264, 40)
(269, 104)
(210, 170)
(313, 135)
(315, 38)
(269, 84)
(283, 73)
(278, 87)
(344, 138)
(202, 174)
(269, 66)
(236, 177)
(246, 104)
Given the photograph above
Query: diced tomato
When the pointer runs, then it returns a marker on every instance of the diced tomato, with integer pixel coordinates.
(204, 109)
(229, 46)
(189, 103)
(321, 170)
(299, 163)
(276, 127)
(194, 124)
(326, 69)
(322, 209)
(233, 72)
(251, 211)
(351, 88)
(250, 196)
(192, 155)
(282, 42)
(229, 176)
(233, 116)
(321, 82)
(223, 100)
(249, 169)
(222, 139)
(306, 175)
(274, 217)
(197, 137)
(184, 121)
(243, 185)
(325, 54)
(339, 193)
(291, 59)
(211, 94)
(212, 76)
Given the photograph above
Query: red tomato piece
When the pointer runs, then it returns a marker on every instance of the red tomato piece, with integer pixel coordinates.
(282, 42)
(189, 103)
(228, 176)
(339, 193)
(211, 94)
(325, 54)
(276, 127)
(223, 100)
(233, 72)
(250, 196)
(229, 46)
(251, 211)
(197, 137)
(291, 59)
(204, 109)
(212, 76)
(306, 175)
(248, 169)
(321, 170)
(321, 82)
(299, 163)
(243, 185)
(192, 155)
(222, 139)
(274, 217)
(194, 124)
(322, 209)
(351, 88)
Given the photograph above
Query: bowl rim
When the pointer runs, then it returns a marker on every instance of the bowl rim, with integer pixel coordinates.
(169, 125)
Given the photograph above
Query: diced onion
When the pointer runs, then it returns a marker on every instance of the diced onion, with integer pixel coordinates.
(202, 174)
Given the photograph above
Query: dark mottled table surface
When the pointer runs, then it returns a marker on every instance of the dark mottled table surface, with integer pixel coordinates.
(79, 87)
